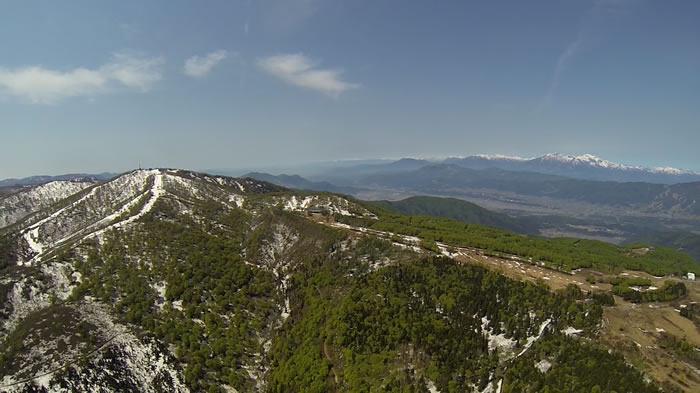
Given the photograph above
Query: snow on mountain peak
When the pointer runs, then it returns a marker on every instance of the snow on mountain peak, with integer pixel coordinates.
(500, 157)
(125, 199)
(566, 165)
(594, 161)
(584, 159)
(672, 171)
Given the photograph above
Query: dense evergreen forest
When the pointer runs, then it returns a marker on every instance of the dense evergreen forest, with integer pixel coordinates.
(432, 320)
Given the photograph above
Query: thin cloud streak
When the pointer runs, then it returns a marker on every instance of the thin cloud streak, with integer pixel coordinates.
(560, 66)
(198, 67)
(299, 70)
(38, 85)
(589, 32)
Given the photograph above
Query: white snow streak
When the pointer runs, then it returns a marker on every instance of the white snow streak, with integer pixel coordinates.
(570, 331)
(531, 340)
(32, 237)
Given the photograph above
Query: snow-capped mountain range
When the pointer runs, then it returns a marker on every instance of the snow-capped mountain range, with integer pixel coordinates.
(586, 166)
(590, 160)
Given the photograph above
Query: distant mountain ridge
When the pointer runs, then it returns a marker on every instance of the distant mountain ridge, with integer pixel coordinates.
(300, 183)
(586, 166)
(454, 180)
(471, 213)
(41, 179)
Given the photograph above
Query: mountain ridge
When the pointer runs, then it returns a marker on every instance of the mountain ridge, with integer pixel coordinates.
(586, 166)
(457, 209)
(29, 200)
(233, 283)
(453, 180)
(300, 183)
(41, 179)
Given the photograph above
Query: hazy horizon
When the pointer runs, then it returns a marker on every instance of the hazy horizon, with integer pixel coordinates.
(300, 168)
(88, 87)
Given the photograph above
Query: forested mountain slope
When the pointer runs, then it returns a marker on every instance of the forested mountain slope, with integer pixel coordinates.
(19, 204)
(688, 242)
(300, 183)
(457, 209)
(564, 254)
(168, 280)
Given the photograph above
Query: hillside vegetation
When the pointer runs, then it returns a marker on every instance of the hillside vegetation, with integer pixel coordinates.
(559, 253)
(433, 322)
(186, 282)
(457, 209)
(688, 242)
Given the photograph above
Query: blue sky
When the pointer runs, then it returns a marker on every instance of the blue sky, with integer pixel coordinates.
(88, 86)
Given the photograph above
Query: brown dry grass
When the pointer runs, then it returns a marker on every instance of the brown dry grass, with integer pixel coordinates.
(627, 327)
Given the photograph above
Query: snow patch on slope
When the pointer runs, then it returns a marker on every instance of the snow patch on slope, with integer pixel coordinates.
(294, 204)
(506, 345)
(32, 237)
(27, 294)
(156, 192)
(122, 363)
(571, 331)
(432, 388)
(543, 365)
(500, 341)
(237, 199)
(95, 212)
(330, 203)
(17, 206)
(531, 340)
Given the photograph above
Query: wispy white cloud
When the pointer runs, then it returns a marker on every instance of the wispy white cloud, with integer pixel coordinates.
(39, 85)
(198, 67)
(565, 57)
(590, 30)
(299, 70)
